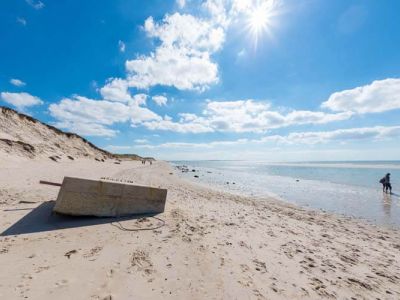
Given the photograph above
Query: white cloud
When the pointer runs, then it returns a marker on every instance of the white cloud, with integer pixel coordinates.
(298, 117)
(195, 126)
(183, 59)
(20, 100)
(379, 96)
(226, 12)
(21, 21)
(35, 4)
(242, 116)
(186, 31)
(91, 117)
(183, 145)
(181, 3)
(121, 46)
(377, 133)
(140, 115)
(160, 100)
(86, 129)
(218, 9)
(339, 135)
(140, 99)
(116, 89)
(218, 116)
(17, 82)
(172, 67)
(80, 109)
(141, 141)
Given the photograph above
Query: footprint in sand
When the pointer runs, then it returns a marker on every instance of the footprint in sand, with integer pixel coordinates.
(93, 252)
(27, 276)
(260, 266)
(23, 287)
(274, 287)
(258, 294)
(110, 273)
(222, 261)
(40, 269)
(244, 268)
(62, 283)
(140, 261)
(243, 244)
(69, 253)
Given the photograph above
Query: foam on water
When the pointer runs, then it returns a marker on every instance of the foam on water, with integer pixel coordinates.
(349, 188)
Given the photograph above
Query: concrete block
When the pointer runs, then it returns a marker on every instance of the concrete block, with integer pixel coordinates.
(84, 197)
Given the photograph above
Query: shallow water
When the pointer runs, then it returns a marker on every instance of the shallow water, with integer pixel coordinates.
(348, 188)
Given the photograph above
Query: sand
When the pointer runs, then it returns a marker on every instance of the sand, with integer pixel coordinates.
(22, 136)
(214, 245)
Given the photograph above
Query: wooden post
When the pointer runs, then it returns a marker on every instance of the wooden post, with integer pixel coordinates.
(50, 183)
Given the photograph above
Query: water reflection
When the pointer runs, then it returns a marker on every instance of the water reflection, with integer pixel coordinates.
(387, 204)
(356, 200)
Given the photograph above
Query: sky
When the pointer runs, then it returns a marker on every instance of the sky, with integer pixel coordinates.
(265, 80)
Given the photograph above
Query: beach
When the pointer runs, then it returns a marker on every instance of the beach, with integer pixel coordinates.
(349, 188)
(208, 244)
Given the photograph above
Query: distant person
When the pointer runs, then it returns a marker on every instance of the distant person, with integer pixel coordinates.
(387, 184)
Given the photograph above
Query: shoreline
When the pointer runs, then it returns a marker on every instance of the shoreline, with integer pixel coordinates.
(214, 245)
(352, 200)
(285, 203)
(327, 164)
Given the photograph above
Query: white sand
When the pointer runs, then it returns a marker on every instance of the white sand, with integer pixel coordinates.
(22, 136)
(213, 246)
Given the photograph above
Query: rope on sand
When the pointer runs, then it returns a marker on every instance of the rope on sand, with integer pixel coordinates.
(120, 227)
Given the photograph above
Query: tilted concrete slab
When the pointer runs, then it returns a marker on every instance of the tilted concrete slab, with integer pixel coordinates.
(84, 197)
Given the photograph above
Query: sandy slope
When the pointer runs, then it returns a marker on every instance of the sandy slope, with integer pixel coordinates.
(25, 137)
(213, 245)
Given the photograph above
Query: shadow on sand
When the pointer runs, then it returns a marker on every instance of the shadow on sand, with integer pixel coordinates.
(42, 218)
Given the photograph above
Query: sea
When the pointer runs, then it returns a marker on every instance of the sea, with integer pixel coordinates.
(349, 188)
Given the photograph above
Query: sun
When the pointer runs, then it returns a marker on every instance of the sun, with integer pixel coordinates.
(259, 20)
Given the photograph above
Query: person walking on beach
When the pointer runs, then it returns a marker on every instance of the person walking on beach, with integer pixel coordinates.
(382, 181)
(387, 184)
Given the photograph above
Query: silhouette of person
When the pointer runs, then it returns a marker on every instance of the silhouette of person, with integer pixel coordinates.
(387, 184)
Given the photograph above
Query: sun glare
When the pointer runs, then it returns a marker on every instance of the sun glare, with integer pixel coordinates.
(259, 20)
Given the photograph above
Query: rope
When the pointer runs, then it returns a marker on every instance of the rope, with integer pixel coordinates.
(120, 227)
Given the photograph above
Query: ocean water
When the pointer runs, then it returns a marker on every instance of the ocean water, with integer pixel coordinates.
(347, 188)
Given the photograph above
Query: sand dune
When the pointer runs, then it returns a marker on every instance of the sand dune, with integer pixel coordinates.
(22, 136)
(213, 245)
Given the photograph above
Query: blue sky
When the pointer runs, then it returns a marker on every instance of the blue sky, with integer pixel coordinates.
(279, 80)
